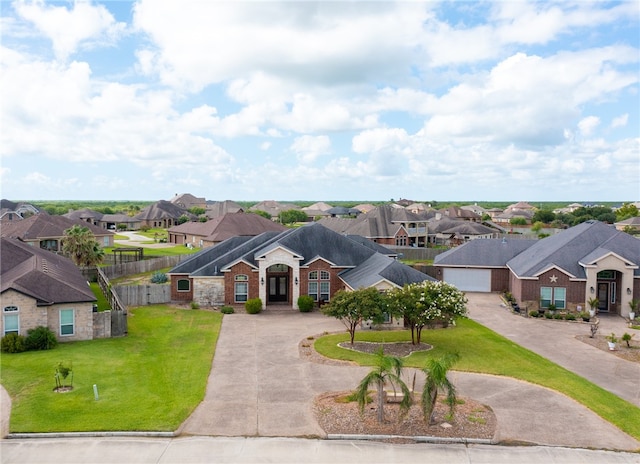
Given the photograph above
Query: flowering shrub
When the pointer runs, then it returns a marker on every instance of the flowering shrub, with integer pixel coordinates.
(426, 303)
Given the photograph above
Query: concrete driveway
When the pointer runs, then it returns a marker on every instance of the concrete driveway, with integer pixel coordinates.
(259, 386)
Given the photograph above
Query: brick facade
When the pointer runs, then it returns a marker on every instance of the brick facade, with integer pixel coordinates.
(181, 296)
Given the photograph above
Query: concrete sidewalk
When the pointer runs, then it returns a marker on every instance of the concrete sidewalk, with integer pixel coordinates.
(287, 450)
(556, 341)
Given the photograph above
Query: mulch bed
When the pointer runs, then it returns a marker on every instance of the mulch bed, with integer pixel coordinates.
(630, 353)
(471, 419)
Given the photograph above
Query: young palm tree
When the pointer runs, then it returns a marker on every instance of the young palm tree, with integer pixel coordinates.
(386, 370)
(436, 371)
(80, 245)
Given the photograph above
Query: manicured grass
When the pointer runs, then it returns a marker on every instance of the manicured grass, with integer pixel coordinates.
(102, 302)
(157, 252)
(484, 351)
(150, 380)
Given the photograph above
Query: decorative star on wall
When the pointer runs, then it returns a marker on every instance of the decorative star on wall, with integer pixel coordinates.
(553, 278)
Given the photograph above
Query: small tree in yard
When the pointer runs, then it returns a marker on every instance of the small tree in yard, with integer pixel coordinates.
(387, 369)
(81, 246)
(425, 303)
(62, 373)
(354, 307)
(436, 371)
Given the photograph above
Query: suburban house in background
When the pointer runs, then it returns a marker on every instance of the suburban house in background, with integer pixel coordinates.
(104, 221)
(386, 225)
(187, 201)
(40, 288)
(12, 211)
(453, 232)
(214, 231)
(45, 231)
(216, 209)
(590, 260)
(279, 267)
(272, 207)
(163, 214)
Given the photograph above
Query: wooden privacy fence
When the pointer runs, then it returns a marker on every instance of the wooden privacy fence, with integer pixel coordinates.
(416, 254)
(140, 295)
(138, 267)
(118, 309)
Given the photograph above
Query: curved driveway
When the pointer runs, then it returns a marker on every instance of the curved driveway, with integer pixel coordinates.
(259, 385)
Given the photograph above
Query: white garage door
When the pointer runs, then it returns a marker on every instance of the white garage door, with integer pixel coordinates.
(469, 280)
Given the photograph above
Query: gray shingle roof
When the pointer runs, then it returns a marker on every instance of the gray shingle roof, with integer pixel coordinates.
(483, 253)
(310, 242)
(41, 274)
(581, 244)
(378, 268)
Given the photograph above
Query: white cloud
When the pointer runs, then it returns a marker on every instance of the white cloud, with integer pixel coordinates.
(620, 121)
(588, 125)
(309, 148)
(84, 23)
(199, 43)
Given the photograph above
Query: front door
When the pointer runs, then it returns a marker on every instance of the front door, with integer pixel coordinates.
(603, 297)
(278, 288)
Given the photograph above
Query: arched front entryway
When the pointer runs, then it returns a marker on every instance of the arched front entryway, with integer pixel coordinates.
(278, 283)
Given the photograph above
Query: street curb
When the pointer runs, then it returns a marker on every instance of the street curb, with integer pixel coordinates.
(92, 435)
(420, 439)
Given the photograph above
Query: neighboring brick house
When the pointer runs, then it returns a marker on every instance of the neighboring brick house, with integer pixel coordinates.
(40, 288)
(279, 267)
(386, 225)
(205, 234)
(590, 260)
(46, 231)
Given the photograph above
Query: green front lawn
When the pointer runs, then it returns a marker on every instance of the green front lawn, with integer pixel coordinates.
(150, 380)
(484, 351)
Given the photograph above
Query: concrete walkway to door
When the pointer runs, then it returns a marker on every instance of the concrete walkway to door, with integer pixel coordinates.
(556, 341)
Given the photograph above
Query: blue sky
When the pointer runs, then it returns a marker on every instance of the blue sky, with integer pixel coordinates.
(303, 100)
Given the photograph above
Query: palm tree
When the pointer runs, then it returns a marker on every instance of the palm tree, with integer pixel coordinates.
(81, 246)
(387, 369)
(436, 371)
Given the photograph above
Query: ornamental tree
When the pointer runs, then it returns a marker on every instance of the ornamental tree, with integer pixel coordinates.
(351, 308)
(425, 303)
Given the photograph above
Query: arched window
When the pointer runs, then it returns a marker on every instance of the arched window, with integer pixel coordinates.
(241, 288)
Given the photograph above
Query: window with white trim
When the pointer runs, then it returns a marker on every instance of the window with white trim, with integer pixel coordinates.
(184, 285)
(11, 320)
(557, 295)
(241, 288)
(67, 322)
(319, 285)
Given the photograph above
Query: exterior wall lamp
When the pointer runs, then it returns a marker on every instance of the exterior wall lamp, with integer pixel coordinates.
(592, 290)
(261, 280)
(296, 281)
(628, 291)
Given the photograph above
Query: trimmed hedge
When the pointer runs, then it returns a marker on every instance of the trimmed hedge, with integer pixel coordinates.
(305, 303)
(253, 306)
